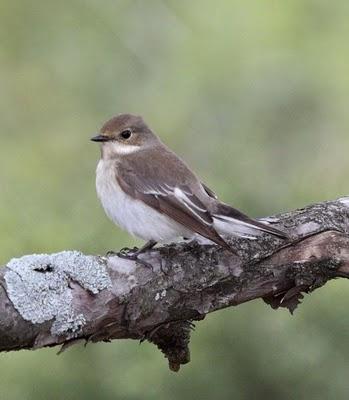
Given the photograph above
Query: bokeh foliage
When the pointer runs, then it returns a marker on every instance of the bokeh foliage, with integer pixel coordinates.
(253, 94)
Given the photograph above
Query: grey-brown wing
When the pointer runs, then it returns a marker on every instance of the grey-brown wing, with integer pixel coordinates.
(176, 201)
(209, 191)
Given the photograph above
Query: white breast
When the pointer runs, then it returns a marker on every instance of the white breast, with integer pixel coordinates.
(133, 215)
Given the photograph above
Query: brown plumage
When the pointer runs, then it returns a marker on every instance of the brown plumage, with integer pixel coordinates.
(150, 175)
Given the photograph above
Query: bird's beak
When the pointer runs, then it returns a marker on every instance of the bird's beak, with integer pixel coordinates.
(100, 138)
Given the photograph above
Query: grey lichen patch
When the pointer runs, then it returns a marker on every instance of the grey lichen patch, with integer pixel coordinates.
(68, 323)
(90, 273)
(271, 220)
(327, 216)
(307, 227)
(38, 286)
(160, 295)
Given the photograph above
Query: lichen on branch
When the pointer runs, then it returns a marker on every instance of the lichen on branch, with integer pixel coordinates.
(60, 299)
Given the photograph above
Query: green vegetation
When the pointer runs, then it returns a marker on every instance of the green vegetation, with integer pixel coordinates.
(254, 95)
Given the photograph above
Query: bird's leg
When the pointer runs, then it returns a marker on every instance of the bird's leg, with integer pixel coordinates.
(124, 250)
(130, 254)
(112, 253)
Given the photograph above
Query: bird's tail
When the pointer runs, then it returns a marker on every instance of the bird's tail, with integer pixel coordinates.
(229, 221)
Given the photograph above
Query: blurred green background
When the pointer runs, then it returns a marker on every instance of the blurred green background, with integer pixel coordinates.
(254, 95)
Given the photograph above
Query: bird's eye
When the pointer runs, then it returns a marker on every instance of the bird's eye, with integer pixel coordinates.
(126, 134)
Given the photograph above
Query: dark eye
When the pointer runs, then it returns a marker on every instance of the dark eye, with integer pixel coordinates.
(126, 134)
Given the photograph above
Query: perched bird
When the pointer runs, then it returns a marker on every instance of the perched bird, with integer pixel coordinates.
(150, 192)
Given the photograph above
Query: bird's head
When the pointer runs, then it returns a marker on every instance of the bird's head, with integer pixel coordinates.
(125, 134)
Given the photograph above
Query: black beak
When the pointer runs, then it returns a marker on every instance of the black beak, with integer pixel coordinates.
(100, 138)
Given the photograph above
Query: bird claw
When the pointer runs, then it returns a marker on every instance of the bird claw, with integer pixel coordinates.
(127, 251)
(111, 253)
(123, 251)
(132, 255)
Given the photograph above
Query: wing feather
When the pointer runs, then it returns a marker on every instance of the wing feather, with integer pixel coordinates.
(176, 201)
(230, 214)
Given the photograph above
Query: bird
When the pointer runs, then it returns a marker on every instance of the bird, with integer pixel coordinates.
(150, 192)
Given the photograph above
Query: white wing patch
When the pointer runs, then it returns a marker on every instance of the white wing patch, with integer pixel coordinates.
(163, 190)
(182, 196)
(190, 205)
(231, 226)
(225, 218)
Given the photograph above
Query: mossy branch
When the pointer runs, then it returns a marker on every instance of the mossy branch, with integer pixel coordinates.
(59, 299)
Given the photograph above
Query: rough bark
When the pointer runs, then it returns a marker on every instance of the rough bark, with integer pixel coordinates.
(59, 299)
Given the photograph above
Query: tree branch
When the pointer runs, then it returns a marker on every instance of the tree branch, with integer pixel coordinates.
(59, 299)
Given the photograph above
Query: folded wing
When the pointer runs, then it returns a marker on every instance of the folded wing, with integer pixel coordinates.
(176, 201)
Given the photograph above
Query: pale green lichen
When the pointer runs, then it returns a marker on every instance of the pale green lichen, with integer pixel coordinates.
(38, 287)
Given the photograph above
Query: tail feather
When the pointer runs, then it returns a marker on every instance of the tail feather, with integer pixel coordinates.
(230, 220)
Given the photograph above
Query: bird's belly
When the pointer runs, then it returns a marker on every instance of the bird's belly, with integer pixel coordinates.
(133, 215)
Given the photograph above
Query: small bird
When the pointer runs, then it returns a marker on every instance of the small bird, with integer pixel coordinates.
(150, 192)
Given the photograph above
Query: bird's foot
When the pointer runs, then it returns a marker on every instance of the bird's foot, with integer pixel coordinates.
(132, 255)
(111, 253)
(127, 250)
(124, 250)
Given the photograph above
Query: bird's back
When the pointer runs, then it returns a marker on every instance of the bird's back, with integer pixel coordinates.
(161, 165)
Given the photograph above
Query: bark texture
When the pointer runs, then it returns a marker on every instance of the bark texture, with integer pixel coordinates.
(60, 299)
